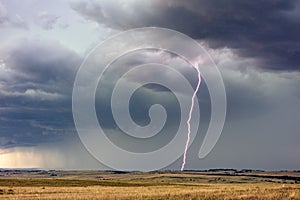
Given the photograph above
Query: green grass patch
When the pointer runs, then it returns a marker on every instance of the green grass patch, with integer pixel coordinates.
(37, 182)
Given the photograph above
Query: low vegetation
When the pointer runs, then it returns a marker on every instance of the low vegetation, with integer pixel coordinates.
(155, 185)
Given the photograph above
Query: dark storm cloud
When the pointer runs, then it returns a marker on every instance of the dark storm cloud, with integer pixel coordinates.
(143, 98)
(40, 61)
(263, 29)
(35, 98)
(261, 129)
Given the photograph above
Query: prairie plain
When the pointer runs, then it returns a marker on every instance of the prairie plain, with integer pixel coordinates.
(209, 184)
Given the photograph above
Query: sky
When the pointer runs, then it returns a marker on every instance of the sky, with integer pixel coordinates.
(255, 44)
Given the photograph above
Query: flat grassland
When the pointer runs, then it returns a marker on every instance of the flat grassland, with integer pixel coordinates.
(212, 184)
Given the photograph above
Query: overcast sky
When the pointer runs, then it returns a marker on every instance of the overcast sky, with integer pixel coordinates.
(255, 44)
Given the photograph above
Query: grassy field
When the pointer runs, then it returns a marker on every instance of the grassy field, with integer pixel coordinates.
(154, 185)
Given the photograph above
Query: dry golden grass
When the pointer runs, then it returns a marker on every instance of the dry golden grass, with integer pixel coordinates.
(197, 191)
(178, 186)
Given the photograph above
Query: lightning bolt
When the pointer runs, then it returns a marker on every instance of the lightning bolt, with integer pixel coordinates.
(188, 122)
